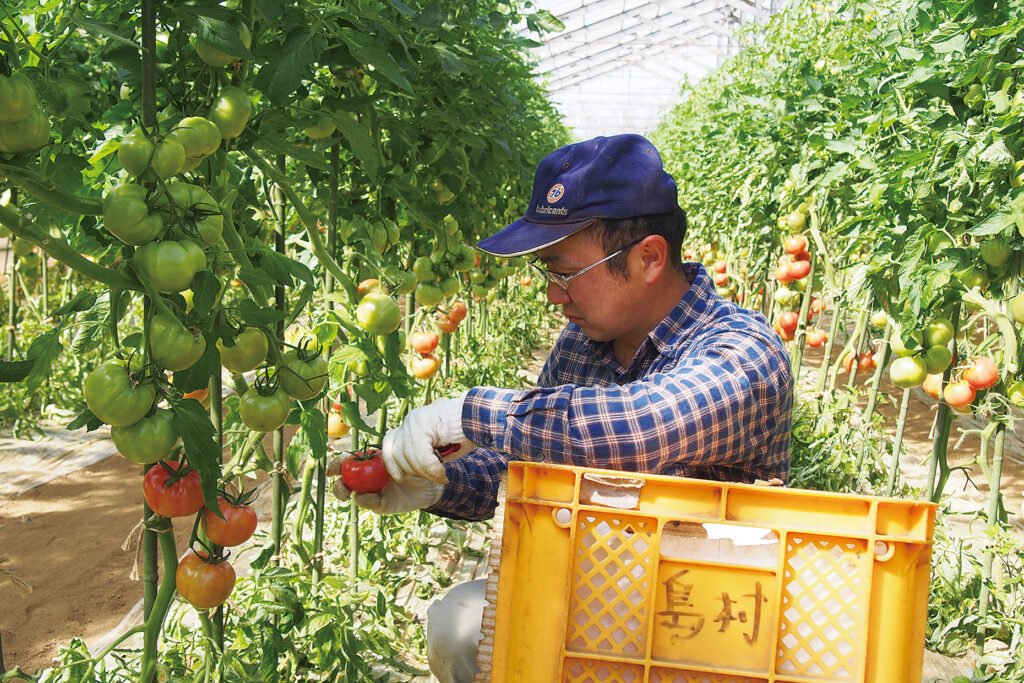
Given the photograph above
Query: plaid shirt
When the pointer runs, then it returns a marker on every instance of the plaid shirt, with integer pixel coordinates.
(709, 394)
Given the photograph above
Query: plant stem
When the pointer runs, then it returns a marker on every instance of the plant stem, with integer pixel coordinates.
(943, 423)
(796, 357)
(155, 619)
(897, 443)
(869, 410)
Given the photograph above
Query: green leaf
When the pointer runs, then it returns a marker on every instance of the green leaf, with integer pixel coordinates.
(42, 352)
(100, 29)
(366, 49)
(350, 413)
(314, 426)
(206, 291)
(202, 451)
(291, 64)
(82, 301)
(85, 419)
(360, 141)
(16, 370)
(258, 316)
(198, 376)
(255, 277)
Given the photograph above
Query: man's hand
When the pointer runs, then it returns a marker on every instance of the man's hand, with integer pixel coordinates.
(409, 448)
(414, 493)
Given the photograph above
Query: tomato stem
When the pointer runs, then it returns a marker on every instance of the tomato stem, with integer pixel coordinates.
(155, 621)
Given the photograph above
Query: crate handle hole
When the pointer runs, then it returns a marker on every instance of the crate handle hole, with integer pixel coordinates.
(622, 493)
(884, 550)
(563, 516)
(712, 542)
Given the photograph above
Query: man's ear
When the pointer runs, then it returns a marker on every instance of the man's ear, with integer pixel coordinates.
(653, 253)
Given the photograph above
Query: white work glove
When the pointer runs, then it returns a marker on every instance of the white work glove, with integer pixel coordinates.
(414, 493)
(408, 450)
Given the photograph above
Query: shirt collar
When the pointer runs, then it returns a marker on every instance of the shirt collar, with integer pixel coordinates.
(693, 307)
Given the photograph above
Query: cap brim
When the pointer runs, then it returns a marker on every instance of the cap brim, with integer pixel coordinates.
(524, 237)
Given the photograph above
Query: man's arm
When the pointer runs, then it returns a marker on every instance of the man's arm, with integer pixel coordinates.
(727, 404)
(472, 488)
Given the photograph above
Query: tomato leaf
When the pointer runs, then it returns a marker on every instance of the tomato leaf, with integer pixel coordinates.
(314, 425)
(258, 316)
(206, 290)
(201, 448)
(350, 413)
(16, 370)
(85, 419)
(198, 375)
(42, 352)
(367, 49)
(82, 301)
(290, 63)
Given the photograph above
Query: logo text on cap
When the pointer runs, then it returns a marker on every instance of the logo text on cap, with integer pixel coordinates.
(556, 192)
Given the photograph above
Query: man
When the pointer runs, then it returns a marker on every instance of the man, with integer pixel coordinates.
(654, 373)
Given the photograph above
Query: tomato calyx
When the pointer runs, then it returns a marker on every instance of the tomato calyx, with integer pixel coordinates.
(176, 472)
(367, 453)
(267, 382)
(210, 553)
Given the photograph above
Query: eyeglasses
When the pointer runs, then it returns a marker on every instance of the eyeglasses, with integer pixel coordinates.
(563, 280)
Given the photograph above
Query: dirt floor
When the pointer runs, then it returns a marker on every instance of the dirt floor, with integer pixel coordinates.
(64, 539)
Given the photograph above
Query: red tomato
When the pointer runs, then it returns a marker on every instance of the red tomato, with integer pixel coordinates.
(458, 311)
(446, 324)
(801, 256)
(720, 278)
(864, 362)
(170, 496)
(688, 253)
(364, 472)
(719, 266)
(785, 334)
(932, 385)
(959, 394)
(848, 362)
(982, 374)
(816, 337)
(336, 427)
(423, 342)
(795, 244)
(368, 285)
(526, 281)
(424, 367)
(204, 584)
(788, 321)
(782, 275)
(798, 270)
(236, 528)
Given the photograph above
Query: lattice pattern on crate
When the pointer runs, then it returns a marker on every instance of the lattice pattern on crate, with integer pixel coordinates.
(614, 556)
(672, 676)
(584, 671)
(820, 611)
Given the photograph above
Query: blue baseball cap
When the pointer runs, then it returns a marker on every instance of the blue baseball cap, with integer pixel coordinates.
(608, 177)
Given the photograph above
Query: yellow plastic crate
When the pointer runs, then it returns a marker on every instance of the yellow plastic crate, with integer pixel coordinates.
(603, 576)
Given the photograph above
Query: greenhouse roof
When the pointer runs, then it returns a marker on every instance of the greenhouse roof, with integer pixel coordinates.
(617, 65)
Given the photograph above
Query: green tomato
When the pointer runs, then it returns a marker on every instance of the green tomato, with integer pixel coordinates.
(216, 57)
(975, 278)
(126, 215)
(22, 248)
(111, 396)
(198, 215)
(879, 319)
(938, 241)
(428, 294)
(1016, 394)
(404, 282)
(25, 135)
(174, 347)
(937, 359)
(17, 97)
(423, 269)
(938, 332)
(995, 252)
(465, 258)
(150, 439)
(378, 313)
(796, 221)
(450, 286)
(302, 378)
(170, 265)
(199, 136)
(1017, 307)
(359, 368)
(145, 160)
(901, 349)
(322, 128)
(908, 371)
(248, 352)
(264, 413)
(230, 111)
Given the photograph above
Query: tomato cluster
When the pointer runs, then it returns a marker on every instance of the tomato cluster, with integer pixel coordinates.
(24, 126)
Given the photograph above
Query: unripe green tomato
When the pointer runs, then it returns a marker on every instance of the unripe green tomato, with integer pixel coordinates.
(477, 277)
(143, 158)
(783, 296)
(428, 294)
(1017, 307)
(378, 313)
(17, 97)
(248, 352)
(25, 135)
(901, 349)
(170, 265)
(404, 283)
(1016, 394)
(230, 111)
(22, 248)
(300, 378)
(450, 286)
(879, 319)
(908, 371)
(938, 241)
(264, 413)
(938, 332)
(975, 278)
(423, 269)
(799, 285)
(126, 215)
(174, 347)
(150, 439)
(937, 359)
(112, 398)
(199, 135)
(479, 291)
(359, 368)
(796, 221)
(995, 252)
(215, 57)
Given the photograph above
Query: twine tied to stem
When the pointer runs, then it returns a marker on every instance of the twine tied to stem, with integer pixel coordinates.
(133, 539)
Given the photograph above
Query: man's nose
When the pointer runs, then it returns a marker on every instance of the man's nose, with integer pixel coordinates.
(557, 295)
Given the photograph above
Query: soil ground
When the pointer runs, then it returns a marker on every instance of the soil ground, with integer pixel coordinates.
(64, 538)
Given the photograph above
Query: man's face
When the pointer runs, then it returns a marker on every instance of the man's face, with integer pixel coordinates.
(601, 303)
